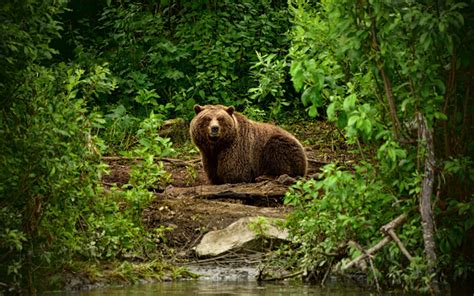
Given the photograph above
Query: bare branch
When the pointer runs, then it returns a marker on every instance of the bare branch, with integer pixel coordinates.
(389, 226)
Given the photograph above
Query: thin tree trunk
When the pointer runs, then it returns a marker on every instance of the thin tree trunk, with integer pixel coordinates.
(426, 136)
(386, 83)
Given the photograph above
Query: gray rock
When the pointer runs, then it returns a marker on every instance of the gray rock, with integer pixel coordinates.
(249, 233)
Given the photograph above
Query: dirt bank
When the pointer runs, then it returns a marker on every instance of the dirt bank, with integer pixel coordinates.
(192, 207)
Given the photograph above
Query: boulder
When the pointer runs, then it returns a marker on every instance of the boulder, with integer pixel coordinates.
(249, 233)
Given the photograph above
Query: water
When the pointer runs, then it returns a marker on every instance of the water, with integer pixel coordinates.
(225, 288)
(240, 281)
(226, 280)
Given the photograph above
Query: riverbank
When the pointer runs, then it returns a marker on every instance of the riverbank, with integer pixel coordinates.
(188, 207)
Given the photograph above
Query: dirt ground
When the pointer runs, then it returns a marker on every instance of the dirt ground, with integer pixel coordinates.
(191, 214)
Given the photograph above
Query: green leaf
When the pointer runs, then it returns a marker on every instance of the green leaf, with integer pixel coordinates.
(313, 111)
(331, 111)
(440, 116)
(297, 75)
(353, 120)
(342, 120)
(349, 102)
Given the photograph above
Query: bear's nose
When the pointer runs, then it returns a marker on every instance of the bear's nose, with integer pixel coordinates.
(214, 129)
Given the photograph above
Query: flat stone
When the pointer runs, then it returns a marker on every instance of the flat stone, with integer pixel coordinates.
(240, 236)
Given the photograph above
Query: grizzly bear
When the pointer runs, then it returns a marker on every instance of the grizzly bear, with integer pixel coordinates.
(235, 149)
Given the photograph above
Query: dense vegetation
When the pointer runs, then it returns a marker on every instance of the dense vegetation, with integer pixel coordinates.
(83, 79)
(389, 73)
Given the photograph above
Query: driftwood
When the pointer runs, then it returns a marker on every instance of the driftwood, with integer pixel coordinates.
(242, 191)
(384, 229)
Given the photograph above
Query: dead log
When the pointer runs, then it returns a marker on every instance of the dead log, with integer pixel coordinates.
(177, 162)
(241, 191)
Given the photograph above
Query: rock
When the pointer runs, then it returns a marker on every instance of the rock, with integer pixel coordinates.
(249, 233)
(225, 273)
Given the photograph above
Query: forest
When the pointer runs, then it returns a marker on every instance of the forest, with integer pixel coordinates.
(83, 82)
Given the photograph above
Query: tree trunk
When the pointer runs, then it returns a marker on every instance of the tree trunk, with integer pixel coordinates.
(425, 135)
(386, 83)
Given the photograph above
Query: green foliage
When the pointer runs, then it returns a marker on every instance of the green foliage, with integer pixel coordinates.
(191, 53)
(149, 142)
(53, 168)
(53, 207)
(373, 66)
(337, 209)
(259, 226)
(271, 76)
(119, 129)
(148, 174)
(26, 30)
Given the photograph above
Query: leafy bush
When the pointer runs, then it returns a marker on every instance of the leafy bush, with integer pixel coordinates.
(375, 67)
(51, 168)
(53, 206)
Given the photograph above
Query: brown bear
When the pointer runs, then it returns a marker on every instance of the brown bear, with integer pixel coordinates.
(235, 149)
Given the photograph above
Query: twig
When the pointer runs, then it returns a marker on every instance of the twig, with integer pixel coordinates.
(322, 163)
(327, 273)
(360, 149)
(370, 251)
(192, 243)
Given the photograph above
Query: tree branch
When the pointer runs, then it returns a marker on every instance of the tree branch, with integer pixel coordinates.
(391, 225)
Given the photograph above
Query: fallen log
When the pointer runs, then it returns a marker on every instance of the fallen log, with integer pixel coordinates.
(177, 162)
(241, 191)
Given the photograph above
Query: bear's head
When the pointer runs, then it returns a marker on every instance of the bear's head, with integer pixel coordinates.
(213, 125)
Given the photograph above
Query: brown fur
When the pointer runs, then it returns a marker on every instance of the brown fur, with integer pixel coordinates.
(235, 149)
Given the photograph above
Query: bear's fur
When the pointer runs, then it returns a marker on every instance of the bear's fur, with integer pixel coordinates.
(236, 149)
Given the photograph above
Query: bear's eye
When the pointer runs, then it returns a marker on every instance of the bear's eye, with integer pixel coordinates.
(221, 118)
(206, 119)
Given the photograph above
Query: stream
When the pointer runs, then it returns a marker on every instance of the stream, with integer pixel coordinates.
(240, 281)
(220, 280)
(203, 287)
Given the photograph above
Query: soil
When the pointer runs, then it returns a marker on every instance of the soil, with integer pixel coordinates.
(191, 214)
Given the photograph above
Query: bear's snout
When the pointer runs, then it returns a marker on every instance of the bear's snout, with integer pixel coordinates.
(214, 131)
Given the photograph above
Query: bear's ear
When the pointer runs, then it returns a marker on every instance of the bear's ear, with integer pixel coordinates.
(230, 110)
(198, 108)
